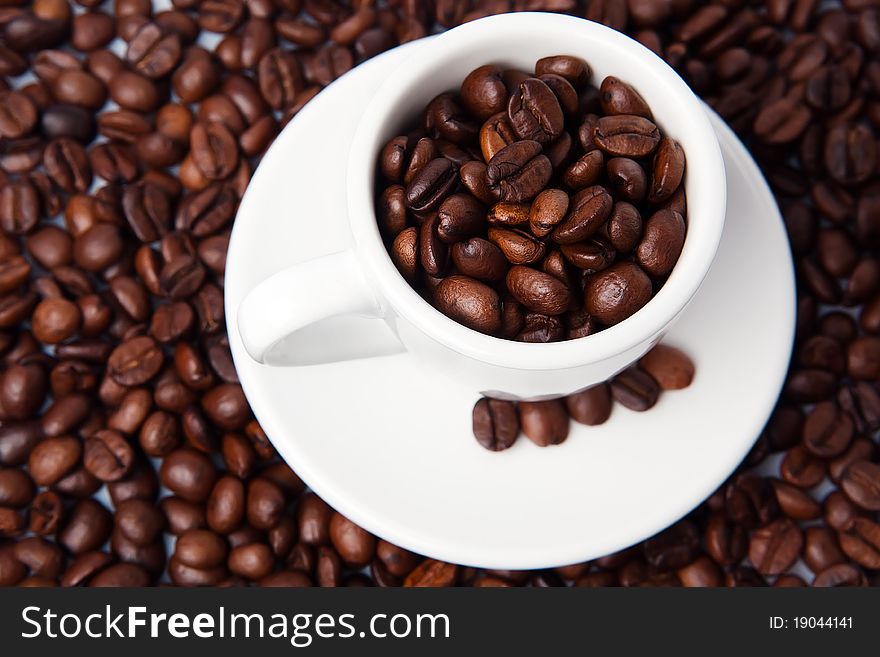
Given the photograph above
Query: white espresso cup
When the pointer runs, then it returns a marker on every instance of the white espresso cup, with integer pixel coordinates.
(284, 313)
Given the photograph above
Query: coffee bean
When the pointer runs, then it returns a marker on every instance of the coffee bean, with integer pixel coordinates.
(495, 134)
(519, 171)
(861, 483)
(460, 216)
(774, 548)
(470, 302)
(635, 389)
(795, 503)
(480, 259)
(135, 361)
(445, 119)
(495, 423)
(537, 291)
(483, 92)
(589, 209)
(547, 211)
(617, 97)
(827, 430)
(617, 292)
(544, 422)
(661, 243)
(668, 366)
(433, 183)
(313, 520)
(518, 246)
(626, 135)
(591, 406)
(189, 474)
(534, 112)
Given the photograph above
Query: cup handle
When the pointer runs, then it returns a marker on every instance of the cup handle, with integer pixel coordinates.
(287, 303)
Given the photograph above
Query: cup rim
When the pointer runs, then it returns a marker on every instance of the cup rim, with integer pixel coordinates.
(643, 326)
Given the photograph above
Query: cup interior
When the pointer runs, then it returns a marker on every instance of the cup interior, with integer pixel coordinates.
(518, 41)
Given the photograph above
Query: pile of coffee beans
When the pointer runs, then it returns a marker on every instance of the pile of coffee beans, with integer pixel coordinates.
(128, 454)
(516, 206)
(497, 422)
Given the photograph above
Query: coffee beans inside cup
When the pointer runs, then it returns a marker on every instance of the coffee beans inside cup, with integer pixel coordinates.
(534, 206)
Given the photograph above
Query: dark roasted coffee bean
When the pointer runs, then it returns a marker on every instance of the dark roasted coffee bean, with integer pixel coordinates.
(626, 135)
(547, 211)
(431, 185)
(661, 243)
(588, 211)
(617, 292)
(591, 406)
(800, 468)
(477, 258)
(861, 483)
(518, 172)
(483, 92)
(135, 361)
(669, 367)
(850, 153)
(537, 291)
(470, 302)
(590, 256)
(775, 547)
(540, 328)
(433, 251)
(534, 112)
(544, 422)
(459, 216)
(828, 430)
(495, 423)
(635, 389)
(617, 97)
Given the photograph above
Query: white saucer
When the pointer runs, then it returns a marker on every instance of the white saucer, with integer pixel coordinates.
(390, 445)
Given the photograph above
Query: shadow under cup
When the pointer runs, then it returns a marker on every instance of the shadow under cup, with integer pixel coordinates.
(518, 41)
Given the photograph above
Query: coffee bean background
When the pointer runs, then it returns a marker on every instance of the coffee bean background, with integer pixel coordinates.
(128, 454)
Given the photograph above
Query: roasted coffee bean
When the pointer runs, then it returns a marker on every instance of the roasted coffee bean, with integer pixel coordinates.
(476, 258)
(470, 302)
(313, 520)
(483, 92)
(518, 246)
(495, 423)
(828, 430)
(459, 216)
(635, 389)
(544, 422)
(618, 97)
(627, 179)
(135, 361)
(445, 119)
(108, 456)
(861, 483)
(775, 547)
(591, 406)
(573, 69)
(537, 291)
(547, 211)
(801, 468)
(534, 112)
(508, 214)
(588, 211)
(661, 243)
(519, 171)
(590, 256)
(431, 185)
(668, 366)
(617, 292)
(189, 474)
(626, 135)
(405, 253)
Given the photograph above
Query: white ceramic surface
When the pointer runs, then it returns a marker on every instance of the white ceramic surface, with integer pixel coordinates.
(389, 443)
(365, 283)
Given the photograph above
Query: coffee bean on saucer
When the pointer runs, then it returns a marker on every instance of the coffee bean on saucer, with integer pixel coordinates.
(544, 422)
(496, 424)
(635, 389)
